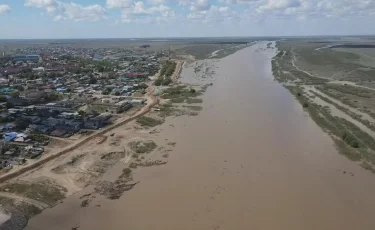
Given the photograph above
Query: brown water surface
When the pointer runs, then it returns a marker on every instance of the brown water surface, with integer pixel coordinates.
(252, 159)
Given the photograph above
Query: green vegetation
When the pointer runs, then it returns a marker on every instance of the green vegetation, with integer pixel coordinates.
(126, 171)
(193, 100)
(178, 100)
(16, 206)
(179, 92)
(350, 141)
(149, 121)
(166, 72)
(45, 191)
(142, 146)
(353, 115)
(194, 108)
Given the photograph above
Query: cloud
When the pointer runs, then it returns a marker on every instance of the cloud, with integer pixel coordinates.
(213, 14)
(200, 5)
(279, 4)
(4, 8)
(302, 9)
(239, 1)
(139, 12)
(69, 11)
(119, 3)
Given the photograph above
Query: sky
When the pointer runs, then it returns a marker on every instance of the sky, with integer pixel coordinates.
(29, 19)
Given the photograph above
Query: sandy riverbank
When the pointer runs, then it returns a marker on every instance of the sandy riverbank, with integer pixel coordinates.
(252, 159)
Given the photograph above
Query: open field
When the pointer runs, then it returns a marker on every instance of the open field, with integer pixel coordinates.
(194, 46)
(334, 84)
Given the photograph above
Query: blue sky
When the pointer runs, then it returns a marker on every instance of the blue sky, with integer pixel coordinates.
(183, 18)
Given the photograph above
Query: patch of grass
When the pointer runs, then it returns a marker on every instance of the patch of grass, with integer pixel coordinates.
(127, 171)
(178, 92)
(27, 210)
(149, 121)
(168, 109)
(133, 165)
(142, 146)
(45, 191)
(178, 100)
(194, 108)
(193, 100)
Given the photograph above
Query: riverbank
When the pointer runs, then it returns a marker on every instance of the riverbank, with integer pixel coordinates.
(250, 159)
(329, 103)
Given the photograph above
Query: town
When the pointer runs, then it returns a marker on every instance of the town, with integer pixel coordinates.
(58, 92)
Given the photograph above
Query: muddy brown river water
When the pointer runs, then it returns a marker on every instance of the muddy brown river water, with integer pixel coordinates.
(252, 159)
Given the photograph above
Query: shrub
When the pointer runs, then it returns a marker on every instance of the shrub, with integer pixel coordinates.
(354, 144)
(126, 171)
(148, 121)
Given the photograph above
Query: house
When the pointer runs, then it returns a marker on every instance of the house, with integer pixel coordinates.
(22, 137)
(58, 132)
(10, 136)
(18, 101)
(8, 126)
(38, 69)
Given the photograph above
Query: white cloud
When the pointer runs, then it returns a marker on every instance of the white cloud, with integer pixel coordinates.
(119, 3)
(302, 9)
(69, 11)
(158, 13)
(4, 8)
(200, 5)
(213, 14)
(239, 1)
(279, 4)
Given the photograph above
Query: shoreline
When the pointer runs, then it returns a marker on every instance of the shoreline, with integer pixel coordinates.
(352, 134)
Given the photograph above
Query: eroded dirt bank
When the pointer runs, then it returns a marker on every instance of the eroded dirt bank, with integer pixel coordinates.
(252, 159)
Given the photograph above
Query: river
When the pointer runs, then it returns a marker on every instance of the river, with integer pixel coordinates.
(252, 159)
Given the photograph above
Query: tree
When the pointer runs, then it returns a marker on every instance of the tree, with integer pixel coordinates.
(101, 69)
(19, 87)
(51, 97)
(3, 99)
(22, 123)
(106, 91)
(166, 81)
(15, 94)
(82, 113)
(9, 105)
(158, 81)
(93, 80)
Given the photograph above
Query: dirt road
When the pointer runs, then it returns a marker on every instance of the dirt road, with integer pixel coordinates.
(151, 101)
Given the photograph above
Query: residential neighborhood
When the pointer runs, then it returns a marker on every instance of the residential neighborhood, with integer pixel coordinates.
(58, 92)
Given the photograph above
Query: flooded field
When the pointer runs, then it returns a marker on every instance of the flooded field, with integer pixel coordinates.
(251, 159)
